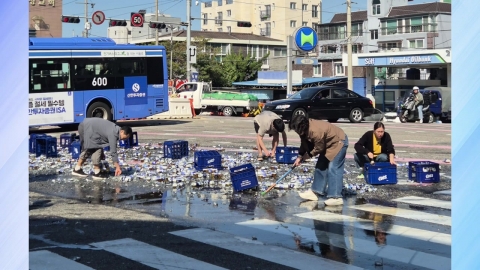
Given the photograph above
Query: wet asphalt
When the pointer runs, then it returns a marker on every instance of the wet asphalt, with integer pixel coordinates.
(218, 208)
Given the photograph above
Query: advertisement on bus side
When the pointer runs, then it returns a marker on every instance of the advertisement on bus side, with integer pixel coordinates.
(50, 108)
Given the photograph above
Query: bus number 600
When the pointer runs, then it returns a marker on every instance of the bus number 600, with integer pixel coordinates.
(99, 81)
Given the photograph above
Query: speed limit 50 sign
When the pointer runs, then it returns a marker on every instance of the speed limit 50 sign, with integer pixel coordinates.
(136, 20)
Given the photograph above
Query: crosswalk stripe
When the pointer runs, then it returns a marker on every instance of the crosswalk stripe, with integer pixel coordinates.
(389, 252)
(425, 202)
(405, 213)
(152, 256)
(367, 224)
(44, 259)
(257, 249)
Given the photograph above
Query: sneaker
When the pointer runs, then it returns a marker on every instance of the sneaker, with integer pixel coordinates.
(310, 205)
(360, 176)
(333, 201)
(79, 172)
(308, 195)
(100, 176)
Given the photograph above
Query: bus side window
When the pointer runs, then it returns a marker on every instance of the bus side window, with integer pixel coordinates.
(155, 70)
(49, 75)
(131, 66)
(94, 73)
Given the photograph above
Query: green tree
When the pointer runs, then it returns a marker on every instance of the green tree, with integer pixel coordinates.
(234, 67)
(179, 61)
(238, 67)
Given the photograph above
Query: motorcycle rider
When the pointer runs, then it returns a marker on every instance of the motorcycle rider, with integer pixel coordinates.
(418, 103)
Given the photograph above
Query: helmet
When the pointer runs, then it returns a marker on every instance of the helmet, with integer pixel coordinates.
(415, 88)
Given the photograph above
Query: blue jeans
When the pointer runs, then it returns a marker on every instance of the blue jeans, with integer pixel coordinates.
(420, 112)
(360, 159)
(328, 175)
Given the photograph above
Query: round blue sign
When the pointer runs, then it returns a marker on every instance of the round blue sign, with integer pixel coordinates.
(306, 39)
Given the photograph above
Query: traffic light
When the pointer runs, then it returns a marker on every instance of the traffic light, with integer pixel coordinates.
(117, 23)
(157, 25)
(244, 24)
(68, 19)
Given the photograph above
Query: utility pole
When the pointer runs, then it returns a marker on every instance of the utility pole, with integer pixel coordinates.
(349, 45)
(87, 25)
(86, 18)
(189, 29)
(156, 19)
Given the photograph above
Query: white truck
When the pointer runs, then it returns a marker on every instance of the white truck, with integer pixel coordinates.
(204, 99)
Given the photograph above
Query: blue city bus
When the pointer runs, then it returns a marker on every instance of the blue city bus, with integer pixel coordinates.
(74, 78)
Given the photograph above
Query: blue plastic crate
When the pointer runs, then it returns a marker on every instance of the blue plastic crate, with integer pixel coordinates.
(32, 140)
(175, 149)
(46, 145)
(66, 139)
(131, 142)
(424, 171)
(207, 159)
(75, 149)
(380, 173)
(243, 177)
(286, 155)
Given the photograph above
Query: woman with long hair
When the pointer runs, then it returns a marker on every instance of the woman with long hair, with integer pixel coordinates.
(375, 145)
(330, 143)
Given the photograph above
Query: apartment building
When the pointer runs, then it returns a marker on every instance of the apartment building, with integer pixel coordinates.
(271, 18)
(386, 26)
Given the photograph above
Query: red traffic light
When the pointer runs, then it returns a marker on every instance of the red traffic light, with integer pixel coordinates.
(68, 19)
(157, 25)
(244, 24)
(117, 23)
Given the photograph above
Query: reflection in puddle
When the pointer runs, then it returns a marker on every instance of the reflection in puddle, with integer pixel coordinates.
(243, 203)
(331, 237)
(98, 193)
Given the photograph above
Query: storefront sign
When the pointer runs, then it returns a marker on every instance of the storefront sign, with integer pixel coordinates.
(400, 60)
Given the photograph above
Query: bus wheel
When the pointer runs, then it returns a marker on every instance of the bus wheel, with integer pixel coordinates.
(100, 110)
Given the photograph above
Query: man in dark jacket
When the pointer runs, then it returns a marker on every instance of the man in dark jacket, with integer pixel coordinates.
(375, 145)
(96, 134)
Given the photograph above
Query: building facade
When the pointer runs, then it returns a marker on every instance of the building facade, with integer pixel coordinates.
(45, 18)
(255, 46)
(270, 18)
(129, 34)
(386, 29)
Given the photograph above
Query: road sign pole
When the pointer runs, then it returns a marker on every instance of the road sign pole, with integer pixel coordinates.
(349, 45)
(289, 65)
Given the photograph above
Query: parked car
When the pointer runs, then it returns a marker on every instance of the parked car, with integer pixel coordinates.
(323, 102)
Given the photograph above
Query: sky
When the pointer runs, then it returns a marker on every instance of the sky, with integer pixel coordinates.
(121, 9)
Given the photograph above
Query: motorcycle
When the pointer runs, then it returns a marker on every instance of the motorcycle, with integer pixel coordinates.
(409, 113)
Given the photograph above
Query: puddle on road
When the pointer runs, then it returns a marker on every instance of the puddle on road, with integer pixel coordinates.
(205, 199)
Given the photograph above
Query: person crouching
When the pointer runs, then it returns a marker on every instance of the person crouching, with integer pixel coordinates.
(95, 134)
(375, 145)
